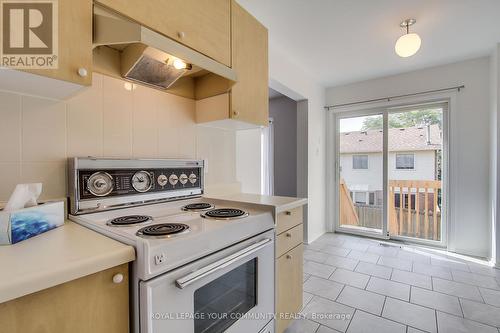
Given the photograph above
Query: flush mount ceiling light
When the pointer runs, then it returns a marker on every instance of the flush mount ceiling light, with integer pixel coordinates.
(408, 44)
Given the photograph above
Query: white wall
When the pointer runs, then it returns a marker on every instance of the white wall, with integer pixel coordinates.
(248, 160)
(470, 205)
(494, 151)
(371, 179)
(38, 134)
(289, 79)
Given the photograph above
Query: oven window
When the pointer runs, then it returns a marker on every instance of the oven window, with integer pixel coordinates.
(218, 304)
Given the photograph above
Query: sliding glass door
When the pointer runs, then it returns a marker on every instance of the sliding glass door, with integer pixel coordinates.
(415, 172)
(390, 173)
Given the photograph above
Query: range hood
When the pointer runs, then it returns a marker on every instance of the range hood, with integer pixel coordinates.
(148, 57)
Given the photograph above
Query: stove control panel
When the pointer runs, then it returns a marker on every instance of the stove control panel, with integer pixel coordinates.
(119, 182)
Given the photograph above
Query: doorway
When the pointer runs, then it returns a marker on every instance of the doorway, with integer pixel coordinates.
(391, 172)
(281, 146)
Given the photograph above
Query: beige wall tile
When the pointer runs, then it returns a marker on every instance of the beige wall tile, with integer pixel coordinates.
(10, 127)
(84, 127)
(218, 147)
(51, 174)
(117, 118)
(145, 122)
(177, 129)
(103, 120)
(43, 129)
(10, 174)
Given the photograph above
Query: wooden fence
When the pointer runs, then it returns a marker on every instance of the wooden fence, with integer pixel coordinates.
(413, 209)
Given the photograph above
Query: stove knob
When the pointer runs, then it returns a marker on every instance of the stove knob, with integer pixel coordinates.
(193, 178)
(173, 179)
(183, 178)
(162, 180)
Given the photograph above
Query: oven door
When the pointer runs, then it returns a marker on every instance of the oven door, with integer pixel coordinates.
(229, 291)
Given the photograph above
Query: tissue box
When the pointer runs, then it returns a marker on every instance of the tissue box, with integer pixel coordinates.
(18, 225)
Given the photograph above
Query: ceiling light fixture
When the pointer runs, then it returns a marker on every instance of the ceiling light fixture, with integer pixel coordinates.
(408, 44)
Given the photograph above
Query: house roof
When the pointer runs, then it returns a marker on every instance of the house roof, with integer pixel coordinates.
(400, 139)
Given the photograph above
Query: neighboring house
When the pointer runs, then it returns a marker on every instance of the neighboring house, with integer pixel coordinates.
(413, 155)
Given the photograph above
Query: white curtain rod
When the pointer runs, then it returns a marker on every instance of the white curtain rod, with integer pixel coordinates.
(390, 98)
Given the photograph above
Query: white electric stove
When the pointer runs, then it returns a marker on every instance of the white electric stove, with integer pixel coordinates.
(202, 265)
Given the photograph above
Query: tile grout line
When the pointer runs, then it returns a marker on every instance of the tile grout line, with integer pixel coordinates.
(436, 318)
(21, 134)
(350, 321)
(461, 308)
(383, 306)
(336, 298)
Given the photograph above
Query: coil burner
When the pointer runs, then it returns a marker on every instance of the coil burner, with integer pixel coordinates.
(163, 230)
(225, 214)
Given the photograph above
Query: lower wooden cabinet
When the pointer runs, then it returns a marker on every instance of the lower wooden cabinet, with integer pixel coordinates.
(93, 303)
(289, 270)
(289, 266)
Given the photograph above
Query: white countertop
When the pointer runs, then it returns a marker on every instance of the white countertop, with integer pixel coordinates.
(279, 203)
(57, 256)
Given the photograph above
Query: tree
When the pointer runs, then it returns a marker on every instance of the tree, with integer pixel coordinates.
(405, 119)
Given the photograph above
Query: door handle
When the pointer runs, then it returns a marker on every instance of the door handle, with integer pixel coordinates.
(220, 264)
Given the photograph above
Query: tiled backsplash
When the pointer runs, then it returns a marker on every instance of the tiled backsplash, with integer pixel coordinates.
(107, 119)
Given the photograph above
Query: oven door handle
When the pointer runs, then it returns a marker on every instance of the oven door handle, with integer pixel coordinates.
(220, 264)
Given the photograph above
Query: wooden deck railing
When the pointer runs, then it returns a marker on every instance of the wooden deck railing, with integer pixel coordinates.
(413, 209)
(417, 213)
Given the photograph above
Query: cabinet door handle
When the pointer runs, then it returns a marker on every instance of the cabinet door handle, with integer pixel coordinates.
(118, 278)
(289, 256)
(289, 235)
(288, 213)
(181, 34)
(236, 113)
(82, 72)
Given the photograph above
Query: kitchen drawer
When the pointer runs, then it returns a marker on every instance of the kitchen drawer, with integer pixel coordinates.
(288, 219)
(289, 239)
(289, 270)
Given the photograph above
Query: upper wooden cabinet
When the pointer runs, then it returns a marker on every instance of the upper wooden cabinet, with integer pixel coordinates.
(250, 95)
(248, 100)
(75, 43)
(203, 25)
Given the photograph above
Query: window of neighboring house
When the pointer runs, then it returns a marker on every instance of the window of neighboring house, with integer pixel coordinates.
(405, 161)
(359, 162)
(371, 198)
(360, 197)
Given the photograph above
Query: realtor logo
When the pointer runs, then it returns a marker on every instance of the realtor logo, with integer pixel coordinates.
(29, 34)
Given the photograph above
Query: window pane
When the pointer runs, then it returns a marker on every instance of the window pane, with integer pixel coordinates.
(218, 304)
(405, 161)
(372, 198)
(360, 197)
(360, 161)
(414, 209)
(361, 172)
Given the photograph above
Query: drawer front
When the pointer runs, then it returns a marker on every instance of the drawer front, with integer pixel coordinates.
(289, 272)
(289, 239)
(288, 219)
